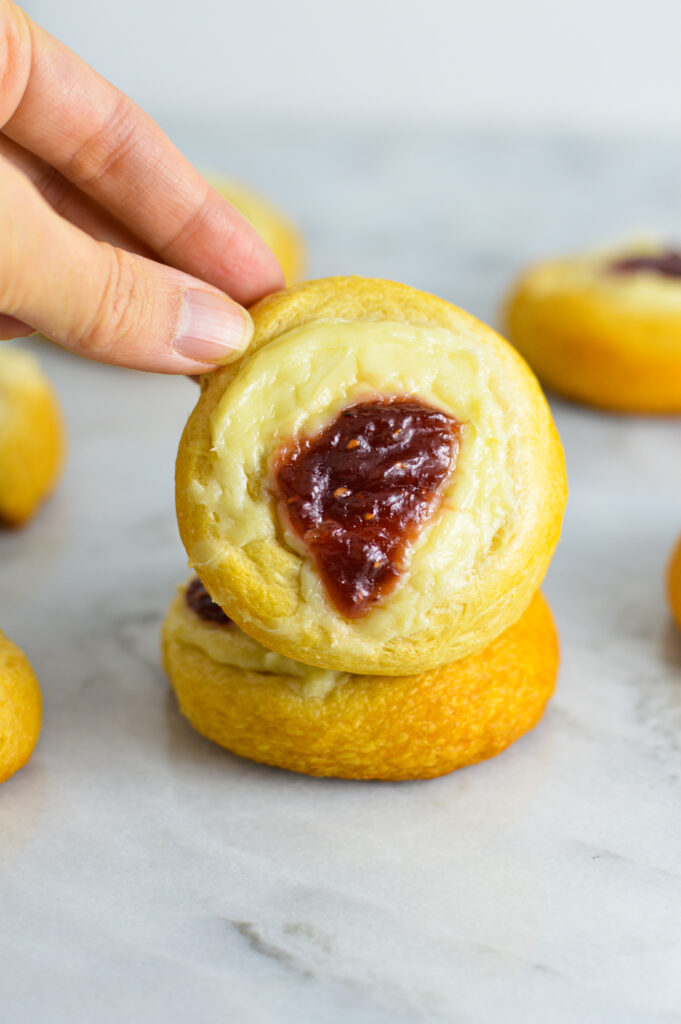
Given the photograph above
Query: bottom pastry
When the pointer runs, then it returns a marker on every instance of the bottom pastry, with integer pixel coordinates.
(268, 708)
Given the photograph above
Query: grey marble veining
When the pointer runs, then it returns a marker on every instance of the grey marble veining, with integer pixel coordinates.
(147, 875)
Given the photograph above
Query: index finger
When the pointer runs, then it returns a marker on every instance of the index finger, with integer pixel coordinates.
(53, 104)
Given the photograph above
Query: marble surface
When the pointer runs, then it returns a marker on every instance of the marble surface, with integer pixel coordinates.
(147, 875)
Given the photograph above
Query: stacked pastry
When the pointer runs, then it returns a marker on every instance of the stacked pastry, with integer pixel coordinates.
(31, 455)
(370, 497)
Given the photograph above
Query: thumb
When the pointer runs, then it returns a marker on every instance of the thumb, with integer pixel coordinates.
(105, 303)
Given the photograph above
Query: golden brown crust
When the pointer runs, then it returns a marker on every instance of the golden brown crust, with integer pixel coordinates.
(32, 437)
(258, 588)
(674, 583)
(20, 709)
(586, 343)
(376, 727)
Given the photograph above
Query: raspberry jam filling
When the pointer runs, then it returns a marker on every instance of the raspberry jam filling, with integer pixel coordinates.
(359, 492)
(668, 264)
(201, 603)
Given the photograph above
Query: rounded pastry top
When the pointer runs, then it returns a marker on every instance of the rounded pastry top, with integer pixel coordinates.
(473, 506)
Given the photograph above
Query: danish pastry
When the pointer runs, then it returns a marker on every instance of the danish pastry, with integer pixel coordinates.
(268, 708)
(275, 230)
(31, 436)
(376, 486)
(605, 328)
(674, 583)
(20, 709)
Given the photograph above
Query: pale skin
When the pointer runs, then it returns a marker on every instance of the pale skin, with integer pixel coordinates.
(113, 245)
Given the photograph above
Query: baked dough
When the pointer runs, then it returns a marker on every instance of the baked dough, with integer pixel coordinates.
(609, 339)
(317, 349)
(31, 436)
(674, 583)
(282, 713)
(20, 709)
(279, 234)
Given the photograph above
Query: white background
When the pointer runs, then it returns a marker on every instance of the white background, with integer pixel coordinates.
(596, 65)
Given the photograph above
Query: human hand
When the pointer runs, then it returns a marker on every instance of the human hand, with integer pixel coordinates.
(103, 221)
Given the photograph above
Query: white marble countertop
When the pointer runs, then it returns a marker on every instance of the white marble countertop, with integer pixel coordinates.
(146, 875)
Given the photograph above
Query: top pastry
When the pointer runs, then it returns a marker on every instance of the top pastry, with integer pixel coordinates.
(376, 485)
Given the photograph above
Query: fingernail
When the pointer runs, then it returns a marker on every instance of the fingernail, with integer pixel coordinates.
(211, 329)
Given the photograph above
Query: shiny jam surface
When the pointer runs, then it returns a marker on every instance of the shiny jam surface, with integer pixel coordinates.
(202, 604)
(668, 264)
(358, 493)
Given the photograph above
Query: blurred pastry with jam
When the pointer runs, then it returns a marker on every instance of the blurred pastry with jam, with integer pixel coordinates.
(20, 709)
(271, 224)
(604, 328)
(268, 708)
(32, 436)
(376, 486)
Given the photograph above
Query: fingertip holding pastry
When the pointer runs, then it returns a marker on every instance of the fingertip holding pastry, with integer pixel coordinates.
(604, 328)
(376, 486)
(32, 436)
(264, 707)
(20, 709)
(273, 227)
(674, 583)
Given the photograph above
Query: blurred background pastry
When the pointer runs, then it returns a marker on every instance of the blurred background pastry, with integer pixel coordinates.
(32, 436)
(604, 328)
(674, 583)
(271, 224)
(20, 709)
